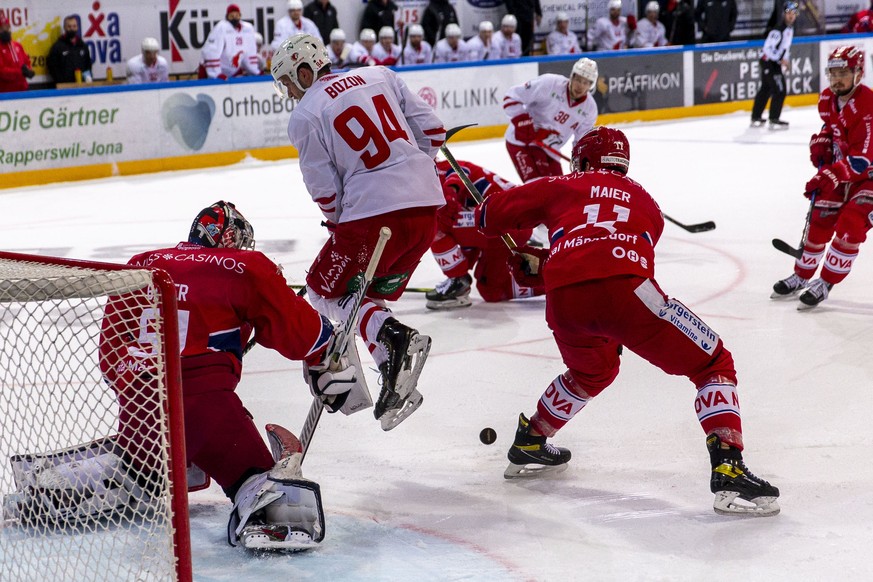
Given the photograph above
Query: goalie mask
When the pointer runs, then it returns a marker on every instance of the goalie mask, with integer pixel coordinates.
(294, 52)
(602, 148)
(222, 226)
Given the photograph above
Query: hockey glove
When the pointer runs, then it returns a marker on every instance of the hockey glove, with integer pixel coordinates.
(330, 382)
(448, 214)
(526, 264)
(550, 137)
(27, 72)
(631, 22)
(829, 183)
(524, 128)
(821, 149)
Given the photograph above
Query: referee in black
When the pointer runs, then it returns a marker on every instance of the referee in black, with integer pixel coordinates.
(775, 57)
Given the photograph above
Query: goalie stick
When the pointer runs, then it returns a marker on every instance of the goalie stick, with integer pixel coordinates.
(695, 228)
(345, 335)
(782, 246)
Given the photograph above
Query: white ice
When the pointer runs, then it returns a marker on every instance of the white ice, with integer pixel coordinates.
(428, 501)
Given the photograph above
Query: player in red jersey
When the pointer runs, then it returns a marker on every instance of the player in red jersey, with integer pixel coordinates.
(601, 295)
(843, 190)
(227, 291)
(367, 146)
(459, 246)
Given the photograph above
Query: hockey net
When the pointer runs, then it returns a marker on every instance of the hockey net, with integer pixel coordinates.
(92, 464)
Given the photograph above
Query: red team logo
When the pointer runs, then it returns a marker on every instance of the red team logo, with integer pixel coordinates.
(429, 96)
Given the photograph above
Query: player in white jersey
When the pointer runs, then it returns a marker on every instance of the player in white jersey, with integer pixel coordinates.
(293, 23)
(364, 47)
(452, 48)
(385, 51)
(507, 41)
(562, 40)
(341, 53)
(230, 49)
(482, 46)
(611, 33)
(366, 145)
(548, 111)
(650, 32)
(417, 50)
(148, 66)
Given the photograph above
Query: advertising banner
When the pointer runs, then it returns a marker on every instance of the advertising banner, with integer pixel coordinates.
(634, 82)
(726, 75)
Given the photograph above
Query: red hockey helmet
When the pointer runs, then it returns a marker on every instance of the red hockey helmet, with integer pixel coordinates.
(842, 60)
(603, 148)
(222, 226)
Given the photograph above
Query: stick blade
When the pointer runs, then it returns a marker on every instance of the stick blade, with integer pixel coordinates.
(782, 246)
(452, 131)
(701, 227)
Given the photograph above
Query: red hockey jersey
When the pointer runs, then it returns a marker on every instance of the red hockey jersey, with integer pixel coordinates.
(851, 128)
(601, 224)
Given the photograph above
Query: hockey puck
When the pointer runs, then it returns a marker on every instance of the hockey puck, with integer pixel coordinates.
(488, 436)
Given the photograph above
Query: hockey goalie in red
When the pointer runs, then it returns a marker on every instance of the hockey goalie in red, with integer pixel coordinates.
(226, 291)
(842, 188)
(459, 247)
(601, 295)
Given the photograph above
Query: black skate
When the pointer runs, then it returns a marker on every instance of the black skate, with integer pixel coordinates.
(815, 293)
(451, 293)
(788, 287)
(407, 352)
(757, 122)
(533, 450)
(731, 479)
(778, 124)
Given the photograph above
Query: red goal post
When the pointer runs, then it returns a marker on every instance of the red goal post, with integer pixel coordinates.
(92, 448)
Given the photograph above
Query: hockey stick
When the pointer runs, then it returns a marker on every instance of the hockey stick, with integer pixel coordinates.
(781, 245)
(298, 287)
(696, 227)
(346, 335)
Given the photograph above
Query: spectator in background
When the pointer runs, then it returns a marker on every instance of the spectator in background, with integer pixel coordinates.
(378, 14)
(264, 54)
(323, 14)
(342, 54)
(776, 16)
(417, 50)
(716, 19)
(482, 47)
(860, 22)
(230, 49)
(528, 14)
(613, 32)
(437, 15)
(364, 47)
(562, 41)
(293, 23)
(386, 53)
(148, 66)
(507, 40)
(682, 31)
(452, 48)
(650, 32)
(69, 54)
(15, 67)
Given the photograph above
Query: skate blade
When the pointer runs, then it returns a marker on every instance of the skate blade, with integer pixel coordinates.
(757, 124)
(394, 416)
(531, 470)
(275, 538)
(416, 354)
(804, 307)
(778, 128)
(727, 503)
(456, 303)
(792, 295)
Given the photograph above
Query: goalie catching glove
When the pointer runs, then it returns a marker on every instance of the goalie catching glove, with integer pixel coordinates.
(337, 380)
(526, 264)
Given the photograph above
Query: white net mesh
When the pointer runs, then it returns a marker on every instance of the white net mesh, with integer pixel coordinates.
(84, 459)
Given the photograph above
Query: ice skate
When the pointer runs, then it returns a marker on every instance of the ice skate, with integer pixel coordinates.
(407, 353)
(815, 293)
(531, 456)
(788, 287)
(451, 293)
(778, 124)
(731, 480)
(757, 122)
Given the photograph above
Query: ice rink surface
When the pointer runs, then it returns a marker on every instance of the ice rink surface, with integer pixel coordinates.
(428, 502)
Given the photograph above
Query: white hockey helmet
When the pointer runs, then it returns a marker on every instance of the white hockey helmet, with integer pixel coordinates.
(300, 49)
(453, 30)
(367, 34)
(150, 45)
(416, 30)
(295, 5)
(653, 6)
(613, 4)
(587, 69)
(486, 26)
(259, 39)
(337, 35)
(386, 32)
(510, 21)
